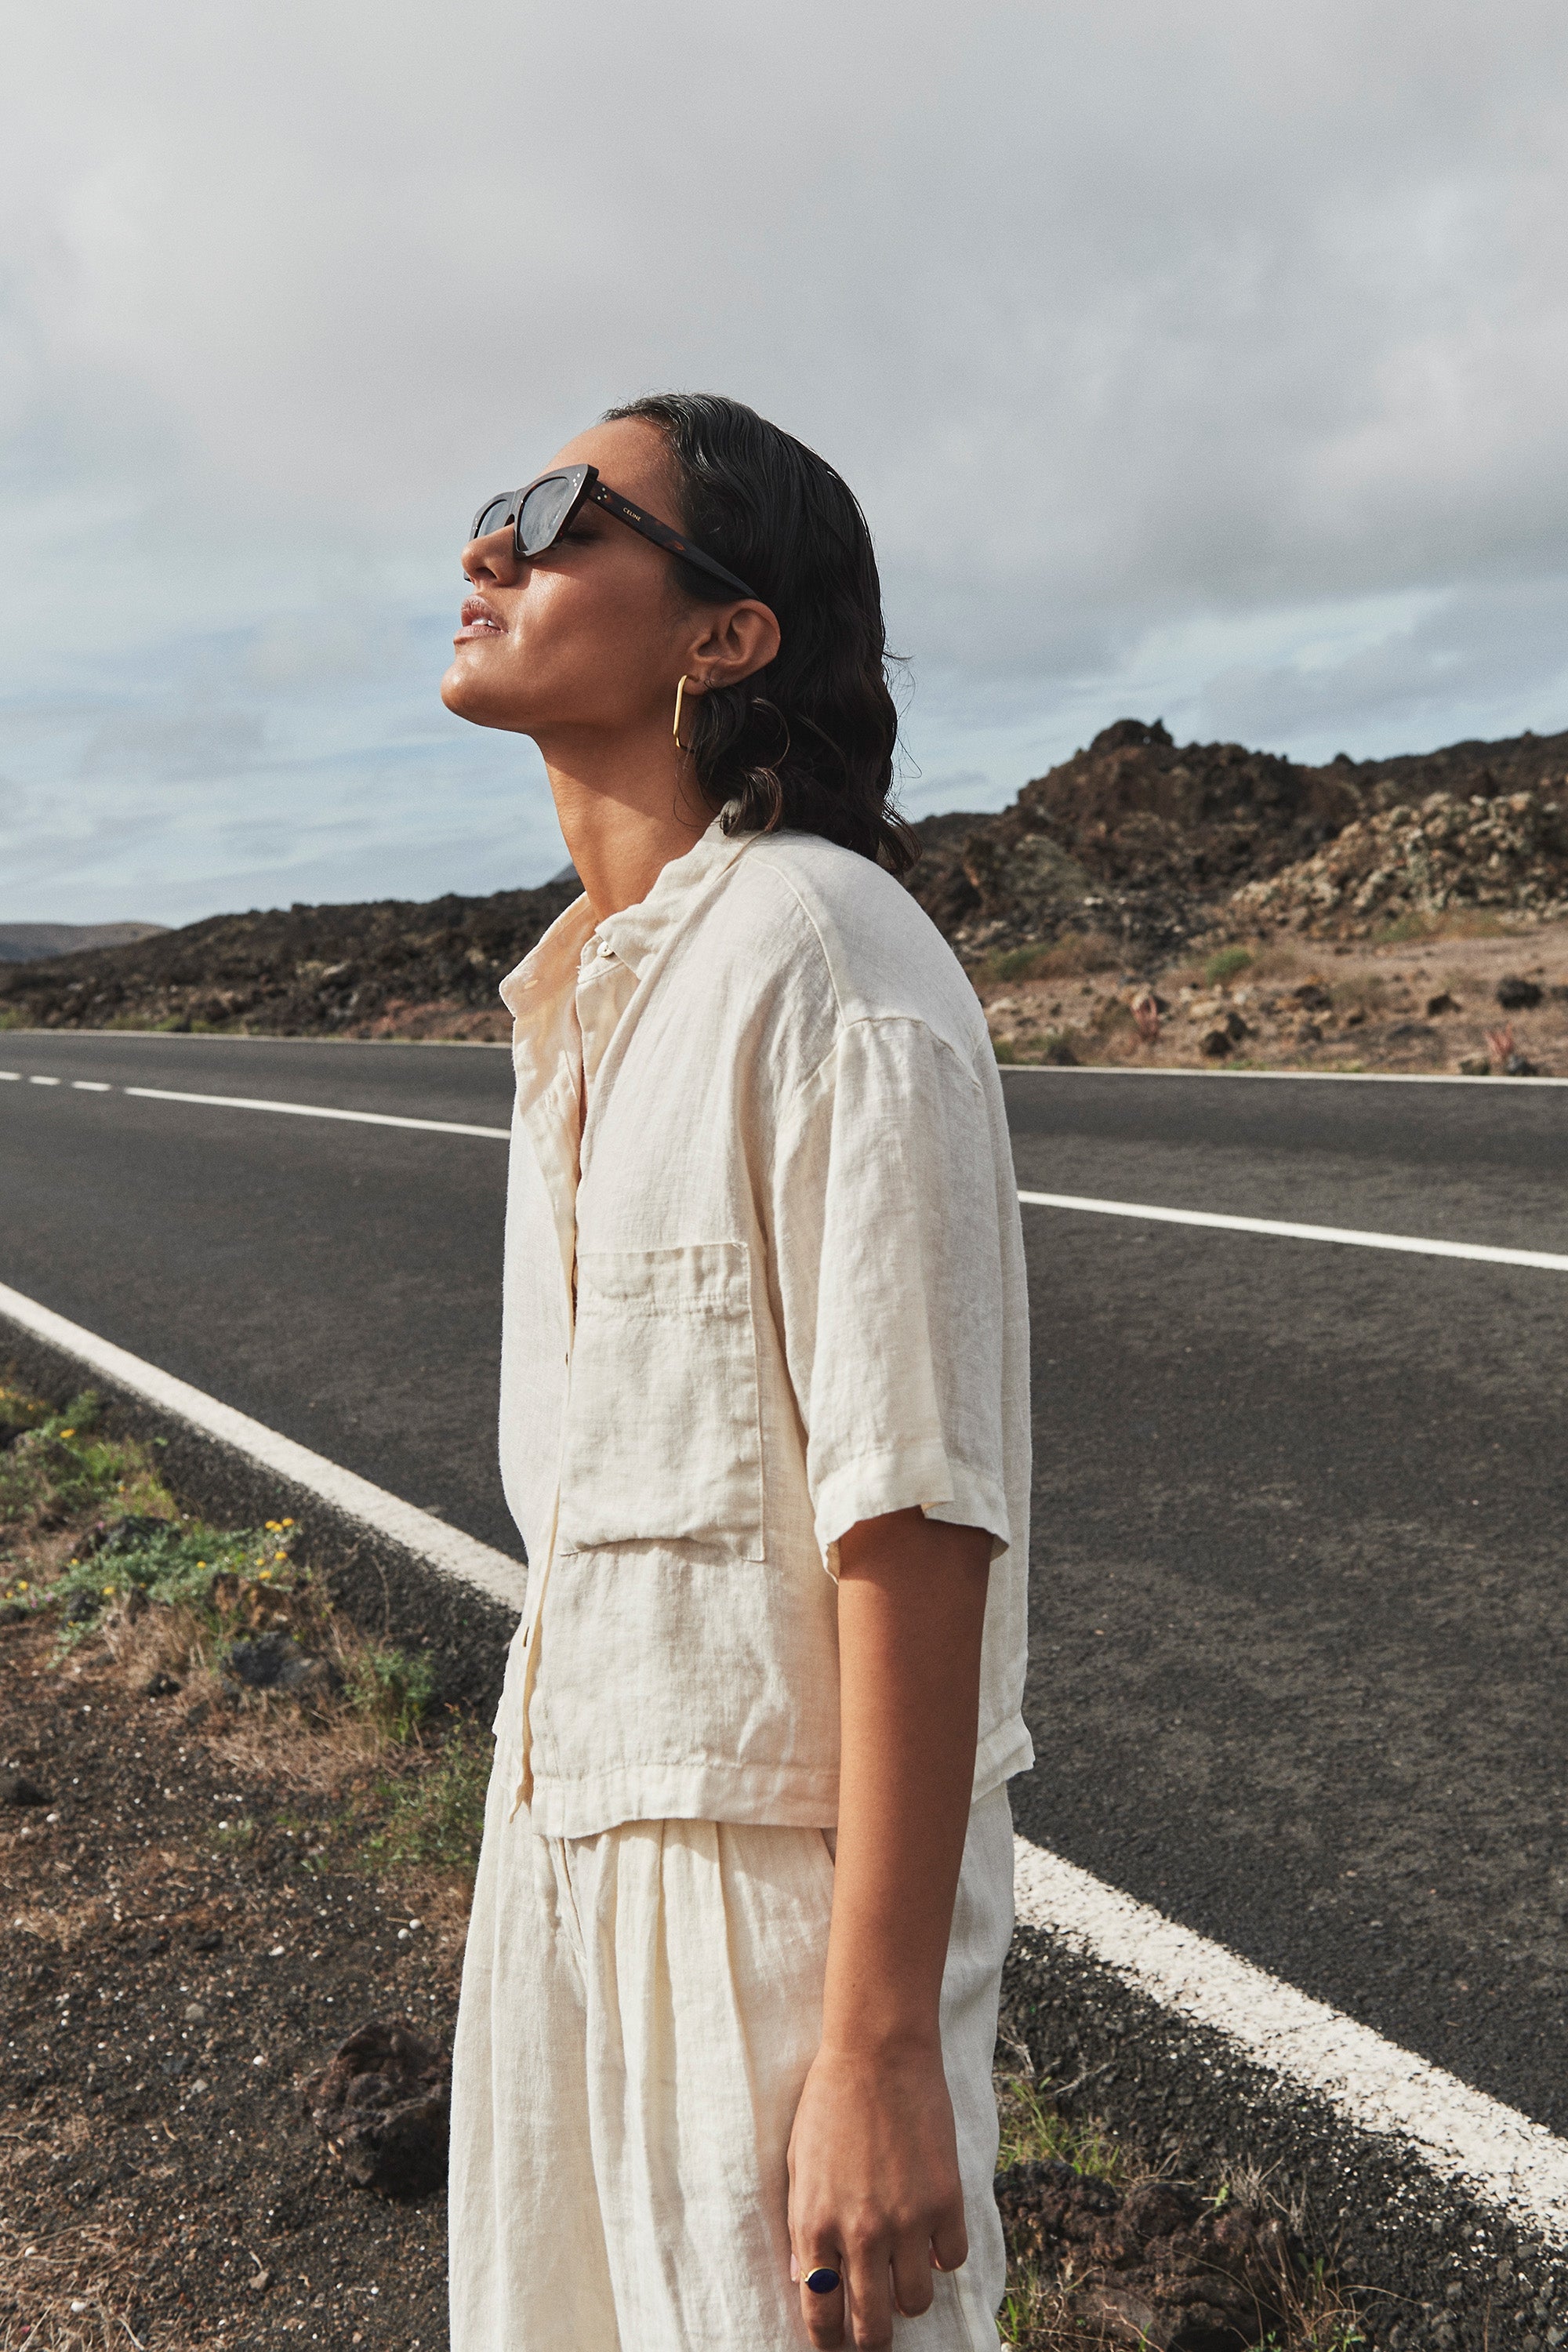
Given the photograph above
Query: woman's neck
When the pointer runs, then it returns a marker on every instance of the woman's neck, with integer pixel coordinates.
(624, 818)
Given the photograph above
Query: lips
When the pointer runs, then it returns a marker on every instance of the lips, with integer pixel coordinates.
(479, 620)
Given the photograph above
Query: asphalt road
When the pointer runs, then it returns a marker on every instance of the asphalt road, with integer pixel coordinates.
(1301, 1601)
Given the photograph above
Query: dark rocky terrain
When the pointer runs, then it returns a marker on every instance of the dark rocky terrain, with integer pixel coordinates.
(1138, 841)
(390, 967)
(1145, 842)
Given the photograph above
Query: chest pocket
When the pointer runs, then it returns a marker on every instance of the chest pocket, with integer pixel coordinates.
(663, 1433)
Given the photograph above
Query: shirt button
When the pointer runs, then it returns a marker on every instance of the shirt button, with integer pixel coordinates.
(605, 948)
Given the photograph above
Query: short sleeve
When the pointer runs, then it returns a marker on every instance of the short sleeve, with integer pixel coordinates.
(890, 1266)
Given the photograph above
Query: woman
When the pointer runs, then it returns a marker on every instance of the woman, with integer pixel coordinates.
(724, 2059)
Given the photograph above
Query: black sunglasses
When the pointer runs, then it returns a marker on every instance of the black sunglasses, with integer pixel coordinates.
(541, 511)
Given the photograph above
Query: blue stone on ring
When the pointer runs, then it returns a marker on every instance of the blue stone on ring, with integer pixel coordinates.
(823, 2281)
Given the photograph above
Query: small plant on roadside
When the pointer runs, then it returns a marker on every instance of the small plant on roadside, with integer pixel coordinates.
(391, 1687)
(436, 1814)
(1225, 965)
(59, 1469)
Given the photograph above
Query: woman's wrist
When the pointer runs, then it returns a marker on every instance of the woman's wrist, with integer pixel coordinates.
(880, 2038)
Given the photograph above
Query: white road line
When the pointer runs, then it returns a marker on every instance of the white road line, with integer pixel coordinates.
(15, 1075)
(43, 1082)
(1311, 1077)
(462, 1555)
(1464, 2136)
(1284, 1232)
(91, 1087)
(316, 1110)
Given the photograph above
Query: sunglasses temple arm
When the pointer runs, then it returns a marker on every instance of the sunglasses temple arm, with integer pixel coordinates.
(662, 536)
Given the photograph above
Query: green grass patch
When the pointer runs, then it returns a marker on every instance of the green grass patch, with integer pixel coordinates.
(60, 1467)
(1225, 964)
(392, 1687)
(1033, 2131)
(435, 1815)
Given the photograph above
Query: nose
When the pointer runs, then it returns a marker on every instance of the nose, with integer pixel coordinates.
(492, 558)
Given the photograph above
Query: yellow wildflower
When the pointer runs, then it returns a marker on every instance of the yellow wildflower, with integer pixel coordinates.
(67, 1432)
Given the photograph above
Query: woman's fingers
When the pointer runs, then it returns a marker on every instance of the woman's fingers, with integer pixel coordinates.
(912, 2274)
(821, 2277)
(869, 2282)
(949, 2241)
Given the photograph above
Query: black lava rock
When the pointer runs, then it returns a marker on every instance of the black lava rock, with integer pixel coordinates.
(1517, 995)
(383, 2105)
(15, 1788)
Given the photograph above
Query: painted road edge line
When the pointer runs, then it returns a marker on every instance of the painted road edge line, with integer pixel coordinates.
(317, 1110)
(1474, 2141)
(445, 1548)
(1489, 1255)
(1312, 1077)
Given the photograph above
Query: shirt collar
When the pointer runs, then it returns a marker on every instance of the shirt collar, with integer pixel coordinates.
(634, 934)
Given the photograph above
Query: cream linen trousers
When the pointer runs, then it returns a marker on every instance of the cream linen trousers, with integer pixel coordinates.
(638, 2012)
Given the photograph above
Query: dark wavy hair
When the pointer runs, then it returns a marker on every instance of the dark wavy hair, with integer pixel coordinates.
(808, 741)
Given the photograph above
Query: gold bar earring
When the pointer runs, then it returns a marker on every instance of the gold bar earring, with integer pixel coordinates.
(676, 730)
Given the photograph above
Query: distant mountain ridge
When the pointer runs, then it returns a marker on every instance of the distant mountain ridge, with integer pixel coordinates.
(1144, 842)
(30, 942)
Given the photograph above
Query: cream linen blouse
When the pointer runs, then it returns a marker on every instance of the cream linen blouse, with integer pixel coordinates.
(768, 1282)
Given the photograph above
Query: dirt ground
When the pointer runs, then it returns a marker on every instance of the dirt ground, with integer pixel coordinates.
(1423, 1004)
(199, 1902)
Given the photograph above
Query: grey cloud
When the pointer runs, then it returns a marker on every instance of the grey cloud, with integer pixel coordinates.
(178, 746)
(1161, 345)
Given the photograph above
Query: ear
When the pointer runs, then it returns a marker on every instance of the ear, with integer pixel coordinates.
(733, 643)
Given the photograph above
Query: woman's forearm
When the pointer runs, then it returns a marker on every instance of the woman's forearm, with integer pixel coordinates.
(912, 1608)
(875, 2196)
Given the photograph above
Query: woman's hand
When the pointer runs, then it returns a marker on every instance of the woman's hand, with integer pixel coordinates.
(874, 2191)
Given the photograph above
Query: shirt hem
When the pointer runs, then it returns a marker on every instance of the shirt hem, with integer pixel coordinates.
(783, 1797)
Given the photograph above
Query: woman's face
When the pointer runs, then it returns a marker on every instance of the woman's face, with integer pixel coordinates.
(592, 634)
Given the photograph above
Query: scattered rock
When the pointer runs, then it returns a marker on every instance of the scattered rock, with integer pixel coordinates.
(1442, 1002)
(15, 1788)
(1215, 1045)
(259, 2282)
(276, 1662)
(1312, 996)
(1516, 994)
(381, 2104)
(1154, 2266)
(160, 1687)
(1511, 852)
(115, 1537)
(1474, 1065)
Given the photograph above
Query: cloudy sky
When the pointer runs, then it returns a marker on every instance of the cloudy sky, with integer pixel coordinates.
(1202, 360)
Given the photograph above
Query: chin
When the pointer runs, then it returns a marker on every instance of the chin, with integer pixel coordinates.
(465, 696)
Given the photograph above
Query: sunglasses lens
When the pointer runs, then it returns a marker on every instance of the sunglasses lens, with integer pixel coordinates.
(545, 509)
(493, 516)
